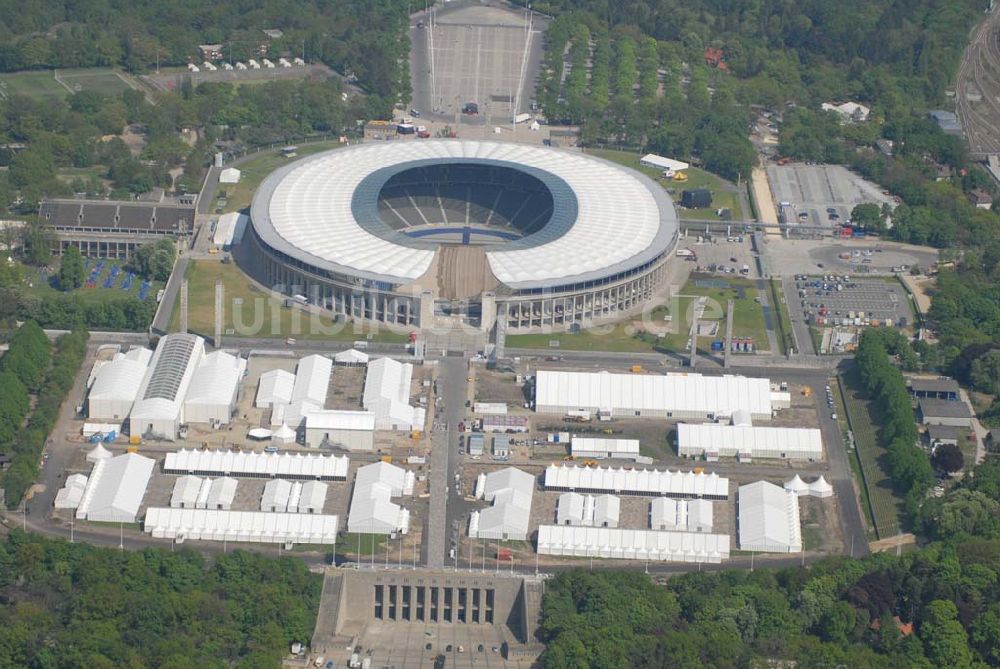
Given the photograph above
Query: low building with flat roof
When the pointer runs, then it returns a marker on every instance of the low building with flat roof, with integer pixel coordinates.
(944, 412)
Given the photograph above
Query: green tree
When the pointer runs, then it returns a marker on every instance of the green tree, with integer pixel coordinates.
(948, 458)
(945, 641)
(868, 216)
(985, 373)
(71, 273)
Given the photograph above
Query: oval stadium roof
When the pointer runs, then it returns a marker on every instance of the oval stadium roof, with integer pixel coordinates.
(310, 210)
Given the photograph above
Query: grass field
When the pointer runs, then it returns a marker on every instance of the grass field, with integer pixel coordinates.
(41, 284)
(722, 197)
(639, 337)
(37, 84)
(883, 503)
(100, 79)
(251, 312)
(254, 170)
(786, 339)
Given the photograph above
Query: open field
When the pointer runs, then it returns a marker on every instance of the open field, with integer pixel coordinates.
(254, 170)
(99, 79)
(883, 502)
(39, 84)
(249, 311)
(723, 196)
(101, 285)
(672, 319)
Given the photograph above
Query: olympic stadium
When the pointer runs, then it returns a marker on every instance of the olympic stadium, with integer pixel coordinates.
(409, 232)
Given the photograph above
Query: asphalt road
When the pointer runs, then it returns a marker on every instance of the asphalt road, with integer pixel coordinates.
(800, 329)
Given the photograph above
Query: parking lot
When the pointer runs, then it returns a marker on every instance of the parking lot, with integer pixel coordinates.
(483, 54)
(788, 257)
(822, 195)
(841, 300)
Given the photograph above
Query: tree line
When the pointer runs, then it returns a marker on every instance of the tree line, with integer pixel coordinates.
(33, 369)
(937, 606)
(66, 605)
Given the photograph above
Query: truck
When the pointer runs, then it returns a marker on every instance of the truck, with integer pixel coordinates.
(685, 253)
(355, 661)
(522, 118)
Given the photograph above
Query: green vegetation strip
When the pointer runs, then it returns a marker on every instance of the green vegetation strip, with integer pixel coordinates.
(779, 310)
(883, 504)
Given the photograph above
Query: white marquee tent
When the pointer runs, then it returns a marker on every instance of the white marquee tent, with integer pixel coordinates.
(116, 488)
(651, 482)
(712, 440)
(351, 357)
(240, 526)
(372, 511)
(590, 447)
(257, 465)
(511, 491)
(690, 396)
(186, 490)
(212, 394)
(116, 384)
(312, 378)
(631, 544)
(275, 388)
(768, 519)
(387, 394)
(70, 495)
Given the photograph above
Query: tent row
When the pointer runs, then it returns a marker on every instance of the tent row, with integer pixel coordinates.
(631, 544)
(636, 481)
(242, 526)
(282, 496)
(690, 396)
(194, 492)
(258, 465)
(715, 440)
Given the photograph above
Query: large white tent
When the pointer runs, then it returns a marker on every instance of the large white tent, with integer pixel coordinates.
(70, 495)
(588, 510)
(159, 400)
(511, 491)
(372, 511)
(590, 447)
(240, 526)
(769, 519)
(651, 482)
(257, 465)
(276, 495)
(275, 388)
(294, 413)
(213, 391)
(116, 488)
(116, 384)
(312, 379)
(662, 163)
(387, 395)
(227, 229)
(220, 495)
(353, 430)
(185, 493)
(690, 396)
(694, 515)
(714, 440)
(632, 544)
(97, 453)
(311, 498)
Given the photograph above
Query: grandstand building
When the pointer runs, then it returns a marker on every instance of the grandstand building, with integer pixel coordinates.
(409, 231)
(111, 229)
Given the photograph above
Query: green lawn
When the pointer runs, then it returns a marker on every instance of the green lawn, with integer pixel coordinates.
(779, 310)
(883, 503)
(643, 335)
(37, 84)
(260, 314)
(254, 170)
(100, 79)
(348, 543)
(722, 196)
(41, 283)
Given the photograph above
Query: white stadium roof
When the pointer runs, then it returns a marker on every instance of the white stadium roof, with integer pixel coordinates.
(257, 465)
(631, 544)
(241, 526)
(304, 212)
(769, 519)
(638, 481)
(116, 488)
(680, 393)
(759, 442)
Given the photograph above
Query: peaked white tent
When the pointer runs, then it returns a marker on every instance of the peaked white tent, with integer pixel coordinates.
(69, 496)
(283, 436)
(98, 453)
(768, 519)
(351, 357)
(820, 488)
(275, 388)
(797, 485)
(185, 494)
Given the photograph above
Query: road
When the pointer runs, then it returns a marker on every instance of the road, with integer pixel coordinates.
(800, 329)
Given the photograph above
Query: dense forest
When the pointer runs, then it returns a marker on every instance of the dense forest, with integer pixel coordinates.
(935, 607)
(68, 605)
(364, 37)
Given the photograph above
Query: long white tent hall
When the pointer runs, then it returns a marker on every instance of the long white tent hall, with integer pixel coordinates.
(632, 544)
(591, 447)
(636, 482)
(682, 396)
(715, 440)
(768, 519)
(115, 489)
(241, 526)
(301, 466)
